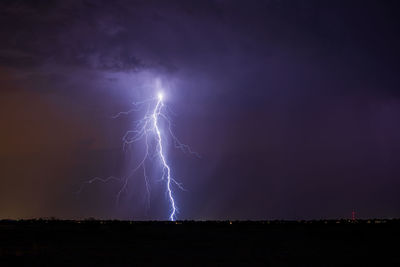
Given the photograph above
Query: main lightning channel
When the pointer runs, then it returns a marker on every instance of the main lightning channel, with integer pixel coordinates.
(156, 115)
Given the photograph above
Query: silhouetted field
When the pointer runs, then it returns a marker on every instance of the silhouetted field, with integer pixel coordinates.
(187, 243)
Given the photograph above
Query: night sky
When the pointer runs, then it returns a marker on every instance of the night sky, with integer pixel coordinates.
(294, 107)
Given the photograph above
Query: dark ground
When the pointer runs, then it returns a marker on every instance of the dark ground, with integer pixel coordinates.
(273, 243)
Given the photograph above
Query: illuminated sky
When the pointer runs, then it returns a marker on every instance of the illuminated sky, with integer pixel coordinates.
(294, 106)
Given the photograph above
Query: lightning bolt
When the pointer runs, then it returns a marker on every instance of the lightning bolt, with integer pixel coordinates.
(149, 129)
(156, 115)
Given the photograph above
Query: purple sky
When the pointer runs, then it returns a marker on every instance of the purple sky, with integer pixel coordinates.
(294, 106)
